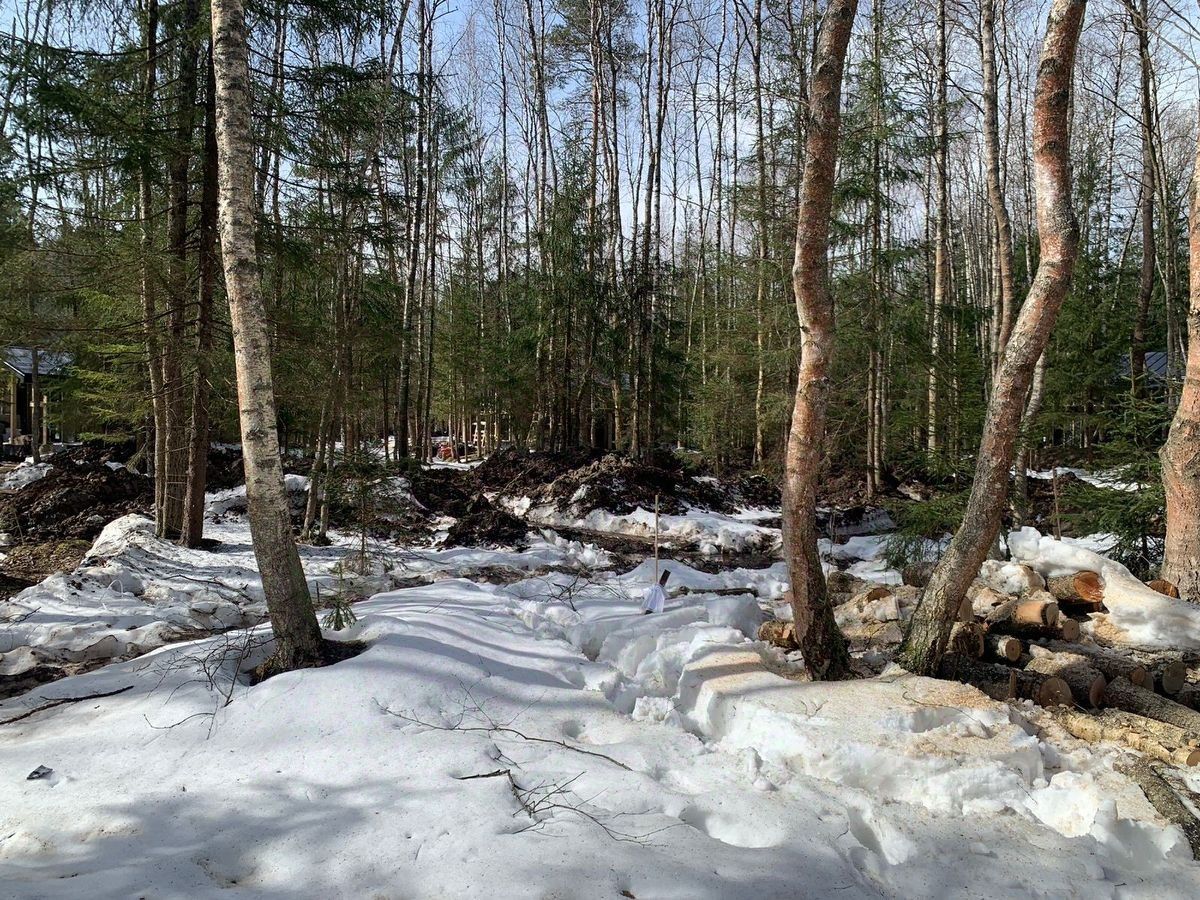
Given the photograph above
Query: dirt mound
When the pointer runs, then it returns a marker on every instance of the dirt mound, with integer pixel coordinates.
(756, 490)
(94, 453)
(224, 468)
(485, 525)
(621, 484)
(444, 491)
(517, 473)
(30, 563)
(74, 500)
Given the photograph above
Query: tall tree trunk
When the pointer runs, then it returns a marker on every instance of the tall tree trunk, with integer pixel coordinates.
(1180, 454)
(816, 632)
(288, 602)
(1058, 233)
(1137, 350)
(941, 250)
(35, 405)
(995, 183)
(197, 449)
(148, 287)
(174, 476)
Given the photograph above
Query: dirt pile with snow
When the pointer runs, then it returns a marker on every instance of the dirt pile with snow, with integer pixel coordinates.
(483, 524)
(80, 493)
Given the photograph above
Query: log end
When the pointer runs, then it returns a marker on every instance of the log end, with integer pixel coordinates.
(1089, 586)
(1163, 587)
(1053, 691)
(1172, 677)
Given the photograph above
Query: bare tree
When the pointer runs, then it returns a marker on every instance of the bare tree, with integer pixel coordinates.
(816, 632)
(1058, 233)
(1180, 454)
(288, 601)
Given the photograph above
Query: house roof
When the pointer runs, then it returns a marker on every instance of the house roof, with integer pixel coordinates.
(20, 360)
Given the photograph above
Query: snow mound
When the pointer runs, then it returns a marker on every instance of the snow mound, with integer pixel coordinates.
(1139, 615)
(711, 533)
(232, 501)
(933, 744)
(26, 473)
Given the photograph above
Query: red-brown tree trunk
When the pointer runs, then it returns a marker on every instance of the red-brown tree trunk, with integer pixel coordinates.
(1180, 454)
(816, 632)
(1058, 233)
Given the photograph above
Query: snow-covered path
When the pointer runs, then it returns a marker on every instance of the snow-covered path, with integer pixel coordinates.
(725, 781)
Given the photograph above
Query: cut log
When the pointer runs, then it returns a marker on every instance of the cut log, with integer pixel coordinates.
(984, 598)
(1145, 738)
(967, 638)
(966, 611)
(1163, 587)
(1189, 696)
(1025, 618)
(1068, 629)
(1087, 684)
(1002, 683)
(1165, 800)
(1110, 664)
(781, 634)
(1003, 647)
(1123, 694)
(1170, 677)
(1082, 587)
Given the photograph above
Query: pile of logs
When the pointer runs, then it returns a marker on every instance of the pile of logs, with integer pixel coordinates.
(1018, 637)
(1022, 641)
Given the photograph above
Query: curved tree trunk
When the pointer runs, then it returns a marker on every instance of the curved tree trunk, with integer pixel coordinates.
(288, 601)
(816, 632)
(1058, 233)
(1180, 454)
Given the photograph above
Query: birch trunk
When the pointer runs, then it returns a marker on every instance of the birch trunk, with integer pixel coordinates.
(1058, 233)
(288, 601)
(816, 632)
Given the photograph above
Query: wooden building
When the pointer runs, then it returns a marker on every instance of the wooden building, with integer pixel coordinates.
(30, 376)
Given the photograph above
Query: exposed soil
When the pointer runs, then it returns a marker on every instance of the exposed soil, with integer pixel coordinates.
(332, 652)
(483, 524)
(27, 564)
(79, 495)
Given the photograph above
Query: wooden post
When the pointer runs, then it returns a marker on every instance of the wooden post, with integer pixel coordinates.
(656, 538)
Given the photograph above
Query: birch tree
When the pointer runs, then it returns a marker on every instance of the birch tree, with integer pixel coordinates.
(292, 616)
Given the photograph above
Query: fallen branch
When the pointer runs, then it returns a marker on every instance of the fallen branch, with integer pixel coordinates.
(62, 701)
(1165, 800)
(492, 728)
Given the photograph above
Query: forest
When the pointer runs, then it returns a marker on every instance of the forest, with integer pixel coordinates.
(571, 448)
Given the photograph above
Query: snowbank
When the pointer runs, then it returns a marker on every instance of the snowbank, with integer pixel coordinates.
(1140, 615)
(24, 474)
(710, 532)
(473, 751)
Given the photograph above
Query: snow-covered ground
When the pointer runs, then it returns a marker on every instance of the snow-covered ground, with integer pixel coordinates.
(545, 739)
(536, 737)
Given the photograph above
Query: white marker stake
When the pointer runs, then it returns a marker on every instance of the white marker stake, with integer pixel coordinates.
(656, 538)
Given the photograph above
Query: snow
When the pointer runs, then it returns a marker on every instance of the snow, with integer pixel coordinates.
(710, 532)
(536, 737)
(1140, 615)
(1112, 480)
(24, 474)
(669, 763)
